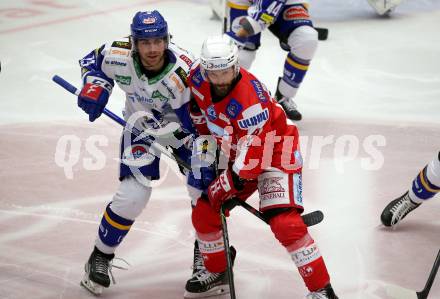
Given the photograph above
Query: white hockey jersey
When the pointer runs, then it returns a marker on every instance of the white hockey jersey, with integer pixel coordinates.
(256, 2)
(162, 96)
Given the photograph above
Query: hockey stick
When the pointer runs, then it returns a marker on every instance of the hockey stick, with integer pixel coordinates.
(227, 252)
(322, 33)
(72, 89)
(310, 219)
(397, 292)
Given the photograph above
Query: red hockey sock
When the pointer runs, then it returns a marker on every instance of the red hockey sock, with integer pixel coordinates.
(306, 256)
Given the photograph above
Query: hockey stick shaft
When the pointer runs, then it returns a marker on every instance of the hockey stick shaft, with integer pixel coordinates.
(424, 293)
(72, 89)
(227, 253)
(310, 219)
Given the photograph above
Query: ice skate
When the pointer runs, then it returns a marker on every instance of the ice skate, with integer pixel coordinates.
(397, 209)
(206, 284)
(325, 293)
(97, 270)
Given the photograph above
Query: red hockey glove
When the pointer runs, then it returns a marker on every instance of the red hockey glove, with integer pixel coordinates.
(222, 189)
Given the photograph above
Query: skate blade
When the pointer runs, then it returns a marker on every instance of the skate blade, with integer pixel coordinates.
(92, 287)
(215, 291)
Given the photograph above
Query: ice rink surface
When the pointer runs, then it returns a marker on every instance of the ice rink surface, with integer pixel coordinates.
(371, 107)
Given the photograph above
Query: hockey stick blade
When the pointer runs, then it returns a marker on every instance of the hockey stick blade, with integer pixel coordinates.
(313, 218)
(322, 33)
(310, 219)
(399, 292)
(425, 292)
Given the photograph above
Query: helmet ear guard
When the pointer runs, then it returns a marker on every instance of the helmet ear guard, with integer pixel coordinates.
(218, 53)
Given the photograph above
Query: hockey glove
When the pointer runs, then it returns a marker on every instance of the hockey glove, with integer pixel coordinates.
(240, 42)
(207, 175)
(223, 188)
(92, 100)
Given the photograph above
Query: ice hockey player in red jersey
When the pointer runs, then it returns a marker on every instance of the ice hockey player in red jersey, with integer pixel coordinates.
(261, 144)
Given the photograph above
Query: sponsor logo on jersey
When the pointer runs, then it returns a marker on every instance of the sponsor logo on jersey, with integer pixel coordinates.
(197, 93)
(233, 109)
(120, 52)
(212, 115)
(297, 189)
(296, 13)
(177, 83)
(182, 75)
(121, 44)
(158, 96)
(123, 80)
(170, 90)
(259, 90)
(254, 121)
(197, 78)
(115, 62)
(186, 59)
(266, 18)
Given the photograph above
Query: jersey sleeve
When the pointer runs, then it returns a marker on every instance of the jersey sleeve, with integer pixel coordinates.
(264, 13)
(253, 128)
(195, 80)
(92, 70)
(179, 79)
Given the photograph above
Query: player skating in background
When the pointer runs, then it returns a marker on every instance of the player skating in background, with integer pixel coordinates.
(290, 22)
(384, 7)
(236, 108)
(152, 72)
(425, 186)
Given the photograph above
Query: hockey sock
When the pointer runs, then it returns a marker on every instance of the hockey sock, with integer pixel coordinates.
(427, 183)
(306, 256)
(212, 248)
(113, 228)
(295, 69)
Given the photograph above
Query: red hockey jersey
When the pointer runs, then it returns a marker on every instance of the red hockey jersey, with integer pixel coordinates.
(249, 123)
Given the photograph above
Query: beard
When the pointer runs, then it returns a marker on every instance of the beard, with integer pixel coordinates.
(221, 90)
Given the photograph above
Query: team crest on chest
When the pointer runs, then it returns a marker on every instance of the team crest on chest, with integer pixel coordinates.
(212, 115)
(233, 109)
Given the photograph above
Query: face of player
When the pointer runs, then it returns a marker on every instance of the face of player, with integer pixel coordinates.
(151, 52)
(221, 80)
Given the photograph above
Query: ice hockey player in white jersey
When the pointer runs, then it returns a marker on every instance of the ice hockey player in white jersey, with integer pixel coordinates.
(425, 186)
(384, 7)
(290, 22)
(152, 72)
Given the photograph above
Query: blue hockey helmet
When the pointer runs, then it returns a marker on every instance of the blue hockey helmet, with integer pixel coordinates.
(149, 24)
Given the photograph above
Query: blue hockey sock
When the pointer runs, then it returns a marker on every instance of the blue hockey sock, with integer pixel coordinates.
(113, 228)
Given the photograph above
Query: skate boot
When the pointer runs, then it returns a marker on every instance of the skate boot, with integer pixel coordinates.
(397, 210)
(288, 105)
(206, 284)
(198, 259)
(97, 271)
(326, 293)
